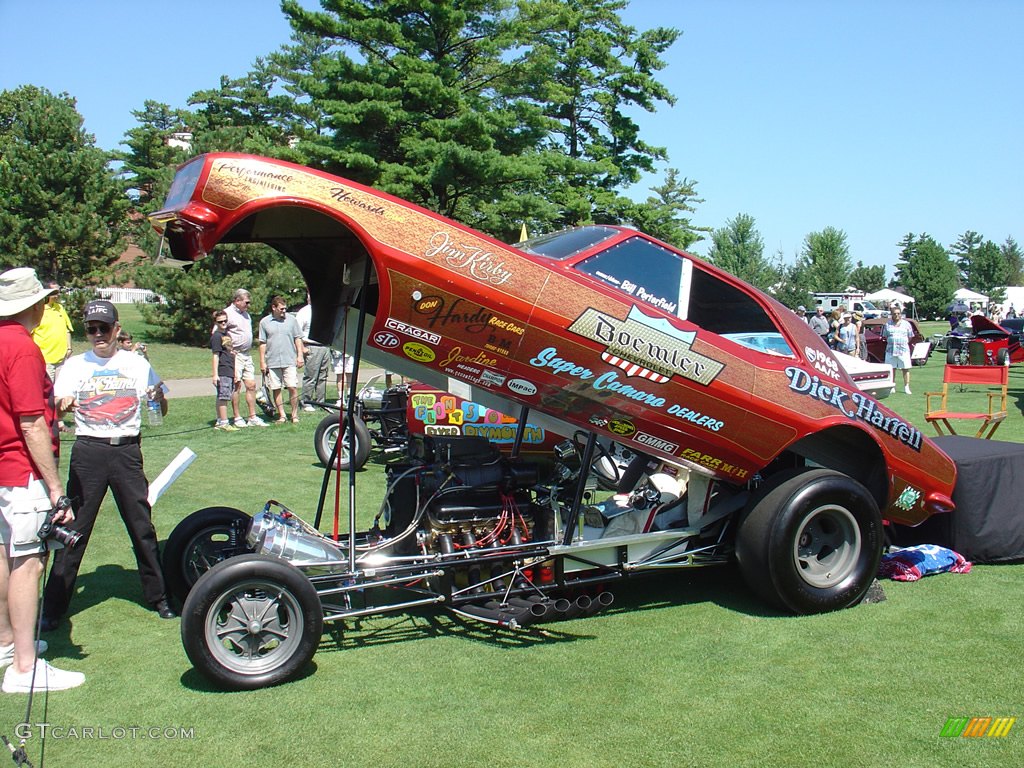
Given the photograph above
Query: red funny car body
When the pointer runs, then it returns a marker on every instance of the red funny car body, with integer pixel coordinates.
(601, 328)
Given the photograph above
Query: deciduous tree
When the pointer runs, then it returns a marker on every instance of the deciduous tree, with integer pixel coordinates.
(63, 212)
(826, 257)
(738, 248)
(926, 272)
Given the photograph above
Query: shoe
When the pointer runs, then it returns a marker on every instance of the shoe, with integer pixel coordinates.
(226, 427)
(240, 422)
(256, 421)
(295, 419)
(906, 390)
(7, 652)
(163, 608)
(48, 624)
(47, 678)
(308, 408)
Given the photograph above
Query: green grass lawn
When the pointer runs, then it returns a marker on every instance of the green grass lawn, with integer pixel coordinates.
(688, 669)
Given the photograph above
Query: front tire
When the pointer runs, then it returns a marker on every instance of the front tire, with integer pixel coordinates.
(327, 434)
(812, 542)
(251, 622)
(200, 541)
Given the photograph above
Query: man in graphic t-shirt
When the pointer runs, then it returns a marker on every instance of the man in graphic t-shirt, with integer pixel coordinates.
(107, 388)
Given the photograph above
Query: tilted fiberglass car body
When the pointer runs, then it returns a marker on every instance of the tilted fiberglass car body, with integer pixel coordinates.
(763, 453)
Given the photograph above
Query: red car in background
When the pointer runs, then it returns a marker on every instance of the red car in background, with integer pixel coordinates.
(982, 342)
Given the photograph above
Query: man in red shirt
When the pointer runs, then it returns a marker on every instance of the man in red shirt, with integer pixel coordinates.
(29, 484)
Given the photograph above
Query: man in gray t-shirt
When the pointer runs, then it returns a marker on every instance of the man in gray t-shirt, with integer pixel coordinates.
(281, 355)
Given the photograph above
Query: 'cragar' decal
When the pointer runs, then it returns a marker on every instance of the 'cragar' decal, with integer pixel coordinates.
(411, 330)
(863, 407)
(643, 345)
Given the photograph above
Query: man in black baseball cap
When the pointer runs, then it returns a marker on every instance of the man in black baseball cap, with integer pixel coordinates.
(107, 389)
(101, 311)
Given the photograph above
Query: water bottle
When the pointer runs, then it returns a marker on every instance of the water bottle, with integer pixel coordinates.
(156, 416)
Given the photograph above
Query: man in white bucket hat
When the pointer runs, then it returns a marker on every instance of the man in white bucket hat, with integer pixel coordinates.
(29, 484)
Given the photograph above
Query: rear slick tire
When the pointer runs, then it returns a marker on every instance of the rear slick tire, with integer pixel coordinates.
(812, 542)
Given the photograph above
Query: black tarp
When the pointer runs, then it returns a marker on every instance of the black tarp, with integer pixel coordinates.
(988, 524)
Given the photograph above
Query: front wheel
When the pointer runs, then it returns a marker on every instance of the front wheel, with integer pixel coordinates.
(200, 541)
(251, 622)
(812, 542)
(327, 435)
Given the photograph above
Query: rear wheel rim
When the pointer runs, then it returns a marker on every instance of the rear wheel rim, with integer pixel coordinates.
(827, 546)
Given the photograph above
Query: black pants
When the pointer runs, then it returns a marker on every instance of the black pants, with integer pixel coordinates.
(96, 466)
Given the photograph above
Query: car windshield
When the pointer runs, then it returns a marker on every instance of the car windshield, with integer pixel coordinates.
(568, 242)
(770, 343)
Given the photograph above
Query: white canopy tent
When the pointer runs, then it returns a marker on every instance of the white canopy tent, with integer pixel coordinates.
(965, 294)
(889, 296)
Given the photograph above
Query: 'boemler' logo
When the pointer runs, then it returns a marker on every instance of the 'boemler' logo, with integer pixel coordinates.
(977, 727)
(640, 342)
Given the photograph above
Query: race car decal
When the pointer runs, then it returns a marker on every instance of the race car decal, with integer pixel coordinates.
(711, 462)
(822, 362)
(657, 443)
(411, 330)
(651, 343)
(864, 407)
(438, 313)
(448, 415)
(418, 352)
(481, 265)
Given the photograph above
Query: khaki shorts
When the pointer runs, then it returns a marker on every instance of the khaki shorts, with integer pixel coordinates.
(244, 368)
(289, 376)
(22, 511)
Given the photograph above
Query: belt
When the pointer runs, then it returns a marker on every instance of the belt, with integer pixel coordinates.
(120, 440)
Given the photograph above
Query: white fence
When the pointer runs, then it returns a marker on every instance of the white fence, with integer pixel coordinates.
(129, 295)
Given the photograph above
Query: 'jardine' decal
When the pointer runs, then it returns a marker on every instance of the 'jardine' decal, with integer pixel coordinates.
(855, 405)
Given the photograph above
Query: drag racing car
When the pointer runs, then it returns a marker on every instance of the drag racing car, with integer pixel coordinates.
(764, 455)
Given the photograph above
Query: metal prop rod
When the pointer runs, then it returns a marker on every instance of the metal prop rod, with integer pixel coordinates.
(524, 413)
(350, 415)
(581, 487)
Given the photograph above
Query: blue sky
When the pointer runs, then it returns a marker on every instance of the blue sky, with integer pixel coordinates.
(878, 118)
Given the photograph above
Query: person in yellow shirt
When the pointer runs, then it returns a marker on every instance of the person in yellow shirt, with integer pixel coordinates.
(53, 334)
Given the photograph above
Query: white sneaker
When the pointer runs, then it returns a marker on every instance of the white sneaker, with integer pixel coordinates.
(240, 422)
(256, 421)
(47, 678)
(7, 652)
(308, 408)
(906, 390)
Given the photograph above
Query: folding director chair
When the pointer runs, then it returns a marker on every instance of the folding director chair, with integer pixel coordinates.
(991, 377)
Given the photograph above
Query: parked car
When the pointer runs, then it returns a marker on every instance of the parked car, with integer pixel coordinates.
(921, 347)
(768, 456)
(979, 341)
(877, 379)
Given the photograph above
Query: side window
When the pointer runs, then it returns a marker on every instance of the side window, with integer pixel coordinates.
(722, 308)
(647, 272)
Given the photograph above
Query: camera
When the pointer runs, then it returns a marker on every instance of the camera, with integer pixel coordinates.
(51, 530)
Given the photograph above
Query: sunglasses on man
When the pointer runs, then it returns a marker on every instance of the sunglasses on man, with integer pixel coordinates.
(98, 329)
